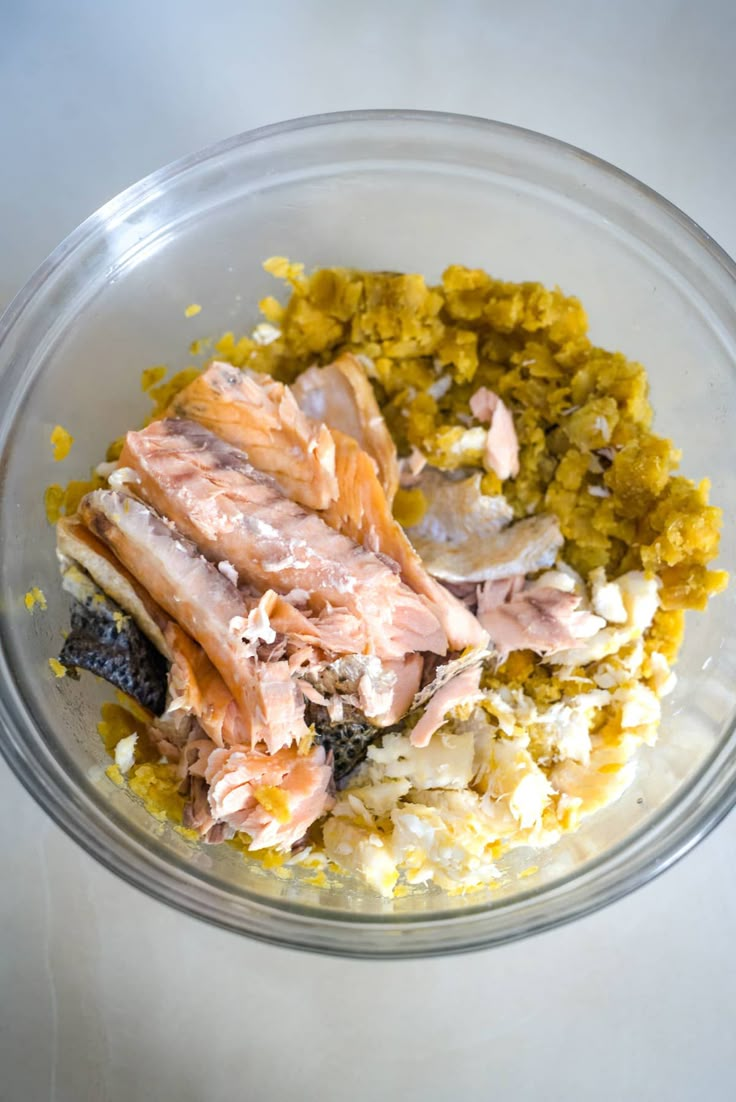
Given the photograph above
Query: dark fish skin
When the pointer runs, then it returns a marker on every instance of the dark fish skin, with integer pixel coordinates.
(348, 741)
(117, 651)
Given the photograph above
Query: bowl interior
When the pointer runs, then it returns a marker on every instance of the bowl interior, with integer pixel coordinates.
(387, 192)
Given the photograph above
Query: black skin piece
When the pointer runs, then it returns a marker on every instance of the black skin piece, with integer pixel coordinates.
(348, 741)
(116, 650)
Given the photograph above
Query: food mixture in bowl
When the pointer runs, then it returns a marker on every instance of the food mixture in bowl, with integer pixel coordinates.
(390, 586)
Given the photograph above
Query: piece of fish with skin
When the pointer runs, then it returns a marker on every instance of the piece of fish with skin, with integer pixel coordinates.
(340, 396)
(244, 406)
(360, 509)
(75, 542)
(195, 594)
(234, 512)
(501, 453)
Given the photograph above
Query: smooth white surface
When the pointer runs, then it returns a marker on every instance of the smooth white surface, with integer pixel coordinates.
(106, 995)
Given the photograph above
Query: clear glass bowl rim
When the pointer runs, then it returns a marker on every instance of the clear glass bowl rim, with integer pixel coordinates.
(671, 833)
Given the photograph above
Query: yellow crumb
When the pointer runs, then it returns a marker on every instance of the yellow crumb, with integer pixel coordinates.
(53, 499)
(409, 506)
(115, 775)
(33, 597)
(305, 743)
(56, 666)
(192, 310)
(120, 620)
(152, 375)
(274, 801)
(317, 881)
(271, 309)
(530, 871)
(62, 442)
(197, 347)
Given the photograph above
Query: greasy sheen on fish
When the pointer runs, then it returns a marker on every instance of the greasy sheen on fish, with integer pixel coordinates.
(243, 406)
(235, 513)
(205, 603)
(340, 396)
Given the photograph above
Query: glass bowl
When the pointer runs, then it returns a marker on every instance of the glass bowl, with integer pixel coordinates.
(388, 190)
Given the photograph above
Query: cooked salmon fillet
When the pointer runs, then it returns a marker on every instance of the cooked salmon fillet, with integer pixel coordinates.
(75, 541)
(281, 440)
(238, 514)
(359, 509)
(207, 605)
(340, 396)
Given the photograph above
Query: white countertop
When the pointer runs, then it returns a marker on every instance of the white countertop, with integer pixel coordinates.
(107, 996)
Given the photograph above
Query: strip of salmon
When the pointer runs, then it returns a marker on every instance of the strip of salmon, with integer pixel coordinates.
(363, 513)
(236, 513)
(281, 440)
(341, 397)
(206, 605)
(196, 688)
(360, 510)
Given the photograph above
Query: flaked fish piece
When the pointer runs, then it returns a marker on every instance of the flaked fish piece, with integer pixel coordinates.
(359, 509)
(194, 593)
(540, 618)
(197, 814)
(106, 642)
(501, 452)
(234, 512)
(411, 467)
(441, 673)
(464, 688)
(274, 798)
(244, 407)
(341, 397)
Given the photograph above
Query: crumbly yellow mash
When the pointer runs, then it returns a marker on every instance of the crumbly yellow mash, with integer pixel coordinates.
(587, 454)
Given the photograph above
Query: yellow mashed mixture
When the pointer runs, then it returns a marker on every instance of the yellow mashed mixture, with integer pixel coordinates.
(583, 418)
